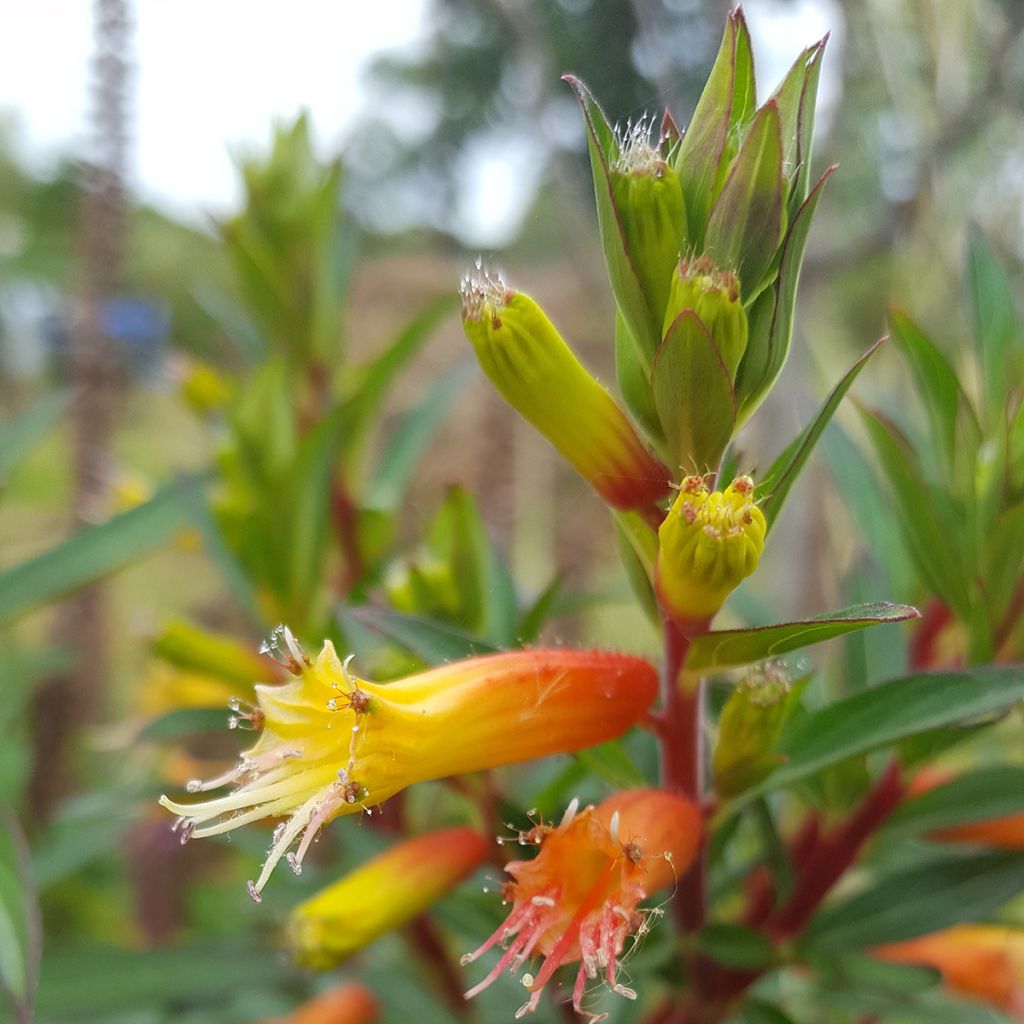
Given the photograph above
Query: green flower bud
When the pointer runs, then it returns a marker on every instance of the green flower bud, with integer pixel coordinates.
(709, 542)
(749, 725)
(535, 371)
(649, 201)
(714, 296)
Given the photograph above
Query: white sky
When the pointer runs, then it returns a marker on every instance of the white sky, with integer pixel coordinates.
(213, 74)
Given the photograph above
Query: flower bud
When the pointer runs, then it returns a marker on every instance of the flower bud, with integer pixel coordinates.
(535, 371)
(649, 201)
(348, 1003)
(385, 893)
(335, 744)
(714, 296)
(710, 541)
(748, 727)
(981, 961)
(578, 899)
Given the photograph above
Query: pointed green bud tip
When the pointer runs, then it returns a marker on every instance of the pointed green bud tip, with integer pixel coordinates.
(748, 727)
(652, 215)
(535, 371)
(714, 296)
(710, 542)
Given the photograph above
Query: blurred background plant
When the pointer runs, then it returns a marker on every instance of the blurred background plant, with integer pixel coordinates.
(285, 431)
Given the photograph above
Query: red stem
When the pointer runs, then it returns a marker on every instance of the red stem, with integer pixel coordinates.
(833, 854)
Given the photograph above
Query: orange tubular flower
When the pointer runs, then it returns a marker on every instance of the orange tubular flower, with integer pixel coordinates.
(385, 893)
(345, 1004)
(984, 962)
(333, 744)
(577, 899)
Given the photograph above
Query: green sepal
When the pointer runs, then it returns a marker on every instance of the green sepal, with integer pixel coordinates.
(725, 106)
(626, 287)
(693, 395)
(771, 315)
(747, 222)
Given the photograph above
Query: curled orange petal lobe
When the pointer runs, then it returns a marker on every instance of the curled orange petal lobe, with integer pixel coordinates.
(344, 1004)
(578, 900)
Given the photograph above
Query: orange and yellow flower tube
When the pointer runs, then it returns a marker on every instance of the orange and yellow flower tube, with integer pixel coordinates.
(982, 961)
(381, 895)
(578, 899)
(335, 744)
(344, 1004)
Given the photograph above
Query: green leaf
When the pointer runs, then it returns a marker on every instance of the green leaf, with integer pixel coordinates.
(693, 394)
(757, 1011)
(610, 762)
(725, 106)
(748, 220)
(635, 383)
(996, 326)
(626, 287)
(535, 617)
(927, 532)
(883, 715)
(925, 898)
(371, 383)
(184, 722)
(20, 928)
(729, 648)
(796, 97)
(941, 393)
(407, 443)
(736, 945)
(1003, 560)
(786, 468)
(97, 550)
(233, 321)
(17, 438)
(433, 642)
(984, 794)
(771, 315)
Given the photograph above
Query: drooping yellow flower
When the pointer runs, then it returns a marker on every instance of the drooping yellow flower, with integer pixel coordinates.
(982, 961)
(335, 744)
(577, 899)
(381, 895)
(535, 371)
(710, 541)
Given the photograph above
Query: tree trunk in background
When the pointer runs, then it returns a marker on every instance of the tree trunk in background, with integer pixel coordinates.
(66, 701)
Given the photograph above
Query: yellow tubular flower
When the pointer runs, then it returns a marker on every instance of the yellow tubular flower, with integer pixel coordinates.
(536, 372)
(710, 541)
(334, 744)
(578, 899)
(385, 893)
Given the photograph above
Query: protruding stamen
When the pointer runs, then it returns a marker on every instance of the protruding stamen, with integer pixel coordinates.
(254, 893)
(570, 812)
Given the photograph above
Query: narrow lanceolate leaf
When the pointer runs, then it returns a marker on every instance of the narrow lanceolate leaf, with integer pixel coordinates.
(19, 436)
(786, 468)
(642, 326)
(796, 97)
(748, 218)
(724, 107)
(771, 315)
(1004, 560)
(929, 534)
(984, 794)
(886, 714)
(377, 377)
(925, 898)
(940, 390)
(20, 934)
(411, 436)
(996, 325)
(729, 648)
(96, 551)
(432, 642)
(693, 395)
